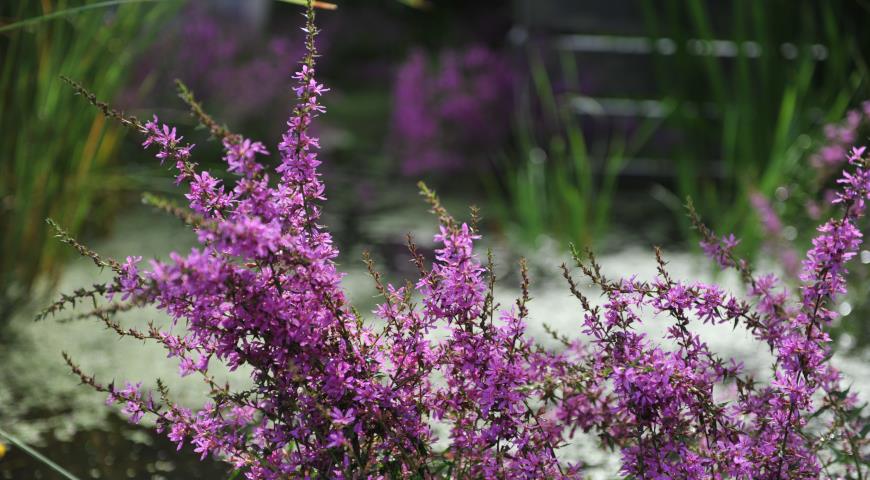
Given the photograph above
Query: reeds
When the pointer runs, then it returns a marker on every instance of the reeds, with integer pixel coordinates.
(747, 111)
(54, 152)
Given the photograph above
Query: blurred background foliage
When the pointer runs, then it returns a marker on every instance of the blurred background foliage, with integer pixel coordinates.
(750, 89)
(679, 98)
(586, 122)
(55, 154)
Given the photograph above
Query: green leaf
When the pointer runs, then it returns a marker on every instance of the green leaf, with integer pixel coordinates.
(67, 12)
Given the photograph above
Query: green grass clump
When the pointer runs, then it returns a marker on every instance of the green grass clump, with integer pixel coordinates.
(54, 152)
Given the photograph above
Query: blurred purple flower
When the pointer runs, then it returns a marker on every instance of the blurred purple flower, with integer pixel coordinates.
(839, 138)
(220, 57)
(448, 118)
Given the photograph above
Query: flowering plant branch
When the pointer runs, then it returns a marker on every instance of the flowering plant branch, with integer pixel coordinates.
(334, 396)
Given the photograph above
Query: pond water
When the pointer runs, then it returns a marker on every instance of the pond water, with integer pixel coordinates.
(114, 450)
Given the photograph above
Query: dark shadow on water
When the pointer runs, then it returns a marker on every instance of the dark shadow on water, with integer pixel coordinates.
(119, 451)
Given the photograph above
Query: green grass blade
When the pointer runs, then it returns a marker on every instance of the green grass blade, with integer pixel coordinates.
(38, 456)
(69, 11)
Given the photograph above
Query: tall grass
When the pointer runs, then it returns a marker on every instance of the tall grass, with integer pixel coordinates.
(797, 64)
(54, 152)
(555, 183)
(743, 84)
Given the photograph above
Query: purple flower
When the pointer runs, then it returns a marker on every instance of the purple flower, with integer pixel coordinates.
(451, 118)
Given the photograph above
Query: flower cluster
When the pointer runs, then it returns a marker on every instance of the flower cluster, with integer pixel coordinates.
(839, 137)
(789, 218)
(449, 119)
(685, 412)
(335, 396)
(830, 157)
